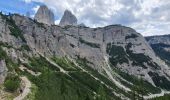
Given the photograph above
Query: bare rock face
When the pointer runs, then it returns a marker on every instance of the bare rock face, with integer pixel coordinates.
(44, 15)
(105, 48)
(68, 19)
(3, 71)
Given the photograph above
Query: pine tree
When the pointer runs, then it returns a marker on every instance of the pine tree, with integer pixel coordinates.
(87, 97)
(63, 85)
(101, 93)
(134, 93)
(141, 89)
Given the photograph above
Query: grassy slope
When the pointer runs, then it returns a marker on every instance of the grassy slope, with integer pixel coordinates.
(54, 85)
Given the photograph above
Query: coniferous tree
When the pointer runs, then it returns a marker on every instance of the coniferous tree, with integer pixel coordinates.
(101, 93)
(134, 93)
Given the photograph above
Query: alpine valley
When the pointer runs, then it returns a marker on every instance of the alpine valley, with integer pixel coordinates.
(69, 61)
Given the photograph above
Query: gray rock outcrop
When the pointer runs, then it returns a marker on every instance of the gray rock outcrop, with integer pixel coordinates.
(3, 71)
(68, 19)
(44, 15)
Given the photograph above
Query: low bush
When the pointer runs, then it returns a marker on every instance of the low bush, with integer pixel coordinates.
(160, 81)
(25, 47)
(94, 45)
(65, 63)
(131, 36)
(117, 54)
(12, 83)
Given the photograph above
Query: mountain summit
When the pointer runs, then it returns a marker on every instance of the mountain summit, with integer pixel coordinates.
(44, 15)
(68, 19)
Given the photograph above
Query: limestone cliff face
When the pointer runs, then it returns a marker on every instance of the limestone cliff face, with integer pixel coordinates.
(106, 48)
(68, 19)
(44, 15)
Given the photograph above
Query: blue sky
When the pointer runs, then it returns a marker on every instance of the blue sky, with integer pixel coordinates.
(148, 17)
(17, 6)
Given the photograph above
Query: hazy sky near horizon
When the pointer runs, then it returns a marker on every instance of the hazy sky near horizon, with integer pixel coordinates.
(148, 17)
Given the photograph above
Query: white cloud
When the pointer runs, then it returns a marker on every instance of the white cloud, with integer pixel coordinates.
(27, 1)
(149, 17)
(32, 16)
(35, 9)
(57, 22)
(149, 28)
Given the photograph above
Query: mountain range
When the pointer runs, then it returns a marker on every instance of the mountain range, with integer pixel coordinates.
(74, 62)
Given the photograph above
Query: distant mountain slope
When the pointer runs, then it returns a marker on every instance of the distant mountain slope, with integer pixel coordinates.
(161, 46)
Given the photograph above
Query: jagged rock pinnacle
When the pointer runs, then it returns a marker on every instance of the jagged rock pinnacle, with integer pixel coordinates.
(44, 15)
(68, 19)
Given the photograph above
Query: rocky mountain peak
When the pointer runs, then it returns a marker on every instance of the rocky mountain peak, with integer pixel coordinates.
(44, 15)
(68, 19)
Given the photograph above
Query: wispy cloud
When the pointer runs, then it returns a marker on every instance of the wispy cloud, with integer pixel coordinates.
(35, 9)
(27, 1)
(149, 17)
